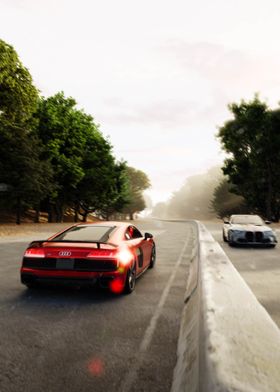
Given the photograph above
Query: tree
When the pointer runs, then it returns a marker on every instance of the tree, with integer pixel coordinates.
(138, 183)
(86, 175)
(64, 131)
(252, 141)
(52, 154)
(104, 188)
(18, 96)
(20, 165)
(22, 169)
(193, 199)
(225, 202)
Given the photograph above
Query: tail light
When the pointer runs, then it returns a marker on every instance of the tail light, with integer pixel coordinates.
(34, 252)
(101, 253)
(124, 256)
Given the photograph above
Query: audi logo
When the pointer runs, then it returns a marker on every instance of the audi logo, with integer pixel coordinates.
(65, 253)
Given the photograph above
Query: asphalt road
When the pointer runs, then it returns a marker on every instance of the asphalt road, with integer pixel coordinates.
(259, 267)
(90, 340)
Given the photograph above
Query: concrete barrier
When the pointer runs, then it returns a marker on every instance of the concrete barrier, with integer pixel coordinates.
(186, 372)
(227, 342)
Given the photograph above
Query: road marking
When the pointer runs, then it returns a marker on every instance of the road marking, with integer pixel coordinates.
(148, 335)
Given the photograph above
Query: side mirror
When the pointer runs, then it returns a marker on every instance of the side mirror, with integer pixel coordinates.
(148, 235)
(267, 222)
(226, 222)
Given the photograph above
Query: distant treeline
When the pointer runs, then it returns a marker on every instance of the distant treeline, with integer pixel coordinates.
(53, 156)
(194, 199)
(250, 182)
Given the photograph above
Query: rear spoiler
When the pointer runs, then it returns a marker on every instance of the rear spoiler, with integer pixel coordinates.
(39, 243)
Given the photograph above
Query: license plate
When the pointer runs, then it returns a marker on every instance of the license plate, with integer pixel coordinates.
(65, 264)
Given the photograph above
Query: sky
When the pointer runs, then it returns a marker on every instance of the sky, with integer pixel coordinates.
(157, 75)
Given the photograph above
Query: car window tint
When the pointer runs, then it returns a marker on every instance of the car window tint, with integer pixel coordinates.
(136, 233)
(129, 233)
(132, 233)
(86, 233)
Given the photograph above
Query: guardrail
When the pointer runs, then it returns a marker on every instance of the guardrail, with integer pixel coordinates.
(227, 341)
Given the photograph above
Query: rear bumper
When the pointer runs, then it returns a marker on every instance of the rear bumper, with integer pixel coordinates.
(75, 278)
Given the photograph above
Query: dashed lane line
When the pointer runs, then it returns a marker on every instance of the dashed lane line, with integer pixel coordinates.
(148, 335)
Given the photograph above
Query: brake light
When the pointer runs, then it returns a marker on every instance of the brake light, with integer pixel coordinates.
(34, 252)
(101, 253)
(125, 256)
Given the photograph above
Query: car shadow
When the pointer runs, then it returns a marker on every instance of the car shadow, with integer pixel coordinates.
(244, 246)
(46, 294)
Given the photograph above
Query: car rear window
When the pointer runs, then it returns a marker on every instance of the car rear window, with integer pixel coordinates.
(86, 234)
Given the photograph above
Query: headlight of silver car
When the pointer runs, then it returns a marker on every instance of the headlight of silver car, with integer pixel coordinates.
(269, 234)
(237, 231)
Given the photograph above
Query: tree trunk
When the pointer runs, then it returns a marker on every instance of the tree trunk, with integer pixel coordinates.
(56, 210)
(18, 210)
(37, 214)
(268, 200)
(85, 216)
(50, 215)
(50, 212)
(76, 210)
(76, 216)
(59, 210)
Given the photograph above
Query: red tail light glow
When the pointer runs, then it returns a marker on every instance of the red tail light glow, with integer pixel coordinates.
(125, 256)
(34, 252)
(96, 367)
(116, 286)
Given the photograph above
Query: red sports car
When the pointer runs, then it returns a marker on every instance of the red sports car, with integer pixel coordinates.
(112, 254)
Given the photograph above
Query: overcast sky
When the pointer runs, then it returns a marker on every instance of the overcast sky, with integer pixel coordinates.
(157, 75)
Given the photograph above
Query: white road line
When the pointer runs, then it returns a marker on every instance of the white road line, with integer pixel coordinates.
(148, 335)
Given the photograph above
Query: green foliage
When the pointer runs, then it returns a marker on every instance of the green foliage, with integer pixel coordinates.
(20, 165)
(18, 96)
(225, 202)
(104, 188)
(63, 130)
(252, 141)
(138, 182)
(53, 154)
(86, 174)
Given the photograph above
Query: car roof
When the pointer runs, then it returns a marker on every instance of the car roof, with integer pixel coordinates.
(116, 236)
(104, 223)
(245, 215)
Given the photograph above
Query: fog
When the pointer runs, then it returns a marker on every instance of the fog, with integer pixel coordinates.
(193, 199)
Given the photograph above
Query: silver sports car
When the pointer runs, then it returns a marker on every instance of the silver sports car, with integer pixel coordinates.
(248, 229)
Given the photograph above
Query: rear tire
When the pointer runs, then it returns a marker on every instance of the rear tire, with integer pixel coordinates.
(153, 257)
(130, 280)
